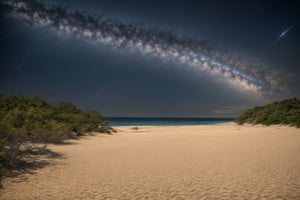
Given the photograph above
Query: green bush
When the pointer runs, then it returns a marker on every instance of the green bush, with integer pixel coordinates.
(31, 120)
(283, 112)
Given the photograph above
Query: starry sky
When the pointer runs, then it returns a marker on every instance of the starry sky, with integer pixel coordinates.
(152, 58)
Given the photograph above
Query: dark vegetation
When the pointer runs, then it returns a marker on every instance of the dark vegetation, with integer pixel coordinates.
(29, 124)
(135, 128)
(284, 112)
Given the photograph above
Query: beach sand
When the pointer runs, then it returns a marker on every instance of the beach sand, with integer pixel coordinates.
(186, 162)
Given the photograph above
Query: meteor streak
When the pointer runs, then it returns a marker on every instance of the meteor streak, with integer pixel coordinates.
(284, 32)
(150, 42)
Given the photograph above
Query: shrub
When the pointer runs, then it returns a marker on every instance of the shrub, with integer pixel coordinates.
(283, 112)
(27, 121)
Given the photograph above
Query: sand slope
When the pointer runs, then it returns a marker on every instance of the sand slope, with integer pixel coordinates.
(187, 162)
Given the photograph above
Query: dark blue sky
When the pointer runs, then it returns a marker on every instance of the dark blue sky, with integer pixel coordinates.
(34, 61)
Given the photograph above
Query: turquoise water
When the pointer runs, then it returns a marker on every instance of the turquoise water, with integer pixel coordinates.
(166, 121)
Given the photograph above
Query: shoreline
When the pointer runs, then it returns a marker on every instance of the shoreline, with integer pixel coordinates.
(231, 124)
(135, 121)
(225, 161)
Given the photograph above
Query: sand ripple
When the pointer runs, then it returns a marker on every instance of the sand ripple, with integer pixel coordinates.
(204, 162)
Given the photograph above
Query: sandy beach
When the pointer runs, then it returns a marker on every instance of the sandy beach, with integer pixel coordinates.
(185, 162)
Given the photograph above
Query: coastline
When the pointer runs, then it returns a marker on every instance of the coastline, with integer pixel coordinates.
(223, 161)
(165, 121)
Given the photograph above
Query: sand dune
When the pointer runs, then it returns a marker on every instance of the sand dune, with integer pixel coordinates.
(186, 162)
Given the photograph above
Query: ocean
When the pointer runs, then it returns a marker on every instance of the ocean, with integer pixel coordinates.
(122, 121)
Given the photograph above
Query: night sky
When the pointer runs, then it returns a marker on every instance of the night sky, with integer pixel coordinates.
(152, 58)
